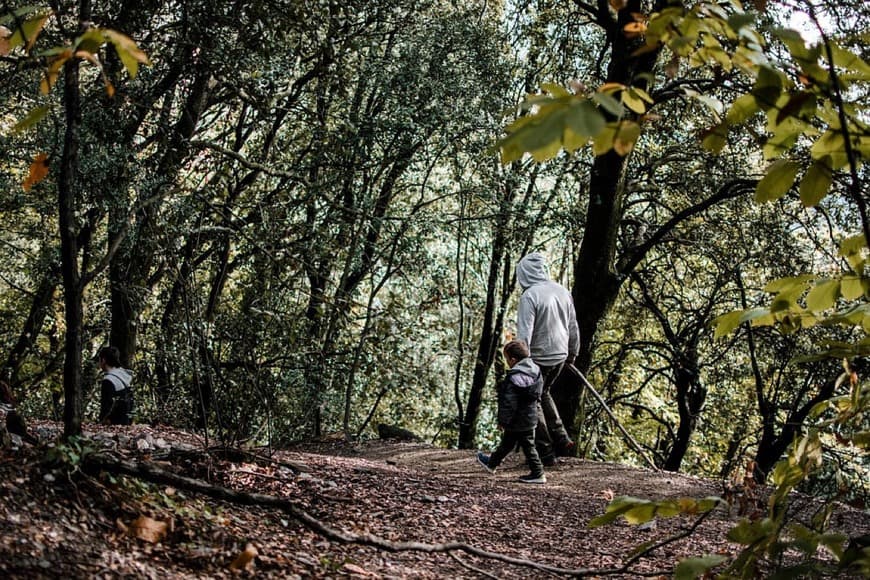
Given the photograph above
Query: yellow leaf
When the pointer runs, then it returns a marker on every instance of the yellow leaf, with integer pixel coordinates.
(626, 137)
(244, 558)
(90, 57)
(603, 142)
(53, 70)
(27, 31)
(633, 102)
(611, 87)
(38, 171)
(148, 529)
(129, 53)
(634, 29)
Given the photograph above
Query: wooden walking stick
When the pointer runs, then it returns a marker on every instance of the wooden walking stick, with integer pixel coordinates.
(632, 443)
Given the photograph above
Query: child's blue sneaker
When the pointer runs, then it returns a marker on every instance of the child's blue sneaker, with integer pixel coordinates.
(483, 459)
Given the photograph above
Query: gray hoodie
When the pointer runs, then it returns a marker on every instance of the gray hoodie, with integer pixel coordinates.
(546, 319)
(120, 378)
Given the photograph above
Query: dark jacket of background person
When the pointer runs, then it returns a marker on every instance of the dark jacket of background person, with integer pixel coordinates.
(546, 319)
(518, 395)
(116, 397)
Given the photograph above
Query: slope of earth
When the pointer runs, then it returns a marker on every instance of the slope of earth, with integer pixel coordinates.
(397, 503)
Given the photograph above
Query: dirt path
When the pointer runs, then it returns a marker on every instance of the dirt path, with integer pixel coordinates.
(55, 525)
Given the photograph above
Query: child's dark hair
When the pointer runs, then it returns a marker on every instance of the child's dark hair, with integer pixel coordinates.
(111, 355)
(516, 349)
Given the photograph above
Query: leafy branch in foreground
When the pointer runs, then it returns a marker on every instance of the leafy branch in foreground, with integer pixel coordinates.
(772, 541)
(804, 301)
(19, 32)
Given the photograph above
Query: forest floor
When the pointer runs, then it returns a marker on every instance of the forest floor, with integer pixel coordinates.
(334, 510)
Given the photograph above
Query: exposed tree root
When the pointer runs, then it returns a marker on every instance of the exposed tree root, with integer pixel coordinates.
(155, 474)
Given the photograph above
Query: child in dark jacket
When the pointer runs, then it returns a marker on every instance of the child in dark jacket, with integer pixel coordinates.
(518, 396)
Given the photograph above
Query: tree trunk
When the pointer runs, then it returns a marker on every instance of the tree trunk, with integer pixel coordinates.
(489, 335)
(69, 250)
(39, 308)
(690, 401)
(130, 268)
(596, 280)
(773, 445)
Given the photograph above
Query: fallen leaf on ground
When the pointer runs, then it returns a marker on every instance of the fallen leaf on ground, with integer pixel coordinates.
(148, 529)
(245, 558)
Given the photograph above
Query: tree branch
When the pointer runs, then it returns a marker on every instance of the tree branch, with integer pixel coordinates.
(730, 190)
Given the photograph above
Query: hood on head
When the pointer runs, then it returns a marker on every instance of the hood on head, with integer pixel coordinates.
(531, 270)
(528, 368)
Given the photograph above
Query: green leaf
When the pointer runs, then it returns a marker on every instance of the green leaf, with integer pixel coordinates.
(786, 300)
(742, 109)
(555, 89)
(788, 282)
(747, 532)
(671, 508)
(785, 135)
(816, 182)
(797, 46)
(90, 41)
(740, 20)
(32, 118)
(572, 141)
(853, 245)
(727, 323)
(849, 61)
(626, 136)
(640, 514)
(539, 135)
(708, 503)
(767, 87)
(853, 287)
(30, 28)
(779, 179)
(753, 314)
(715, 139)
(608, 103)
(832, 144)
(603, 142)
(584, 118)
(692, 568)
(797, 104)
(614, 509)
(642, 94)
(823, 295)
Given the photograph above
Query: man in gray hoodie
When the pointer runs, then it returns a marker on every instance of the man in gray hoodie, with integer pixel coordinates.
(116, 395)
(547, 322)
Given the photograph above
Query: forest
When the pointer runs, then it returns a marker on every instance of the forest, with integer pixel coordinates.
(299, 220)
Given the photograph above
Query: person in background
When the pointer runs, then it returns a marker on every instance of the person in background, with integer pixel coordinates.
(547, 322)
(518, 395)
(116, 394)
